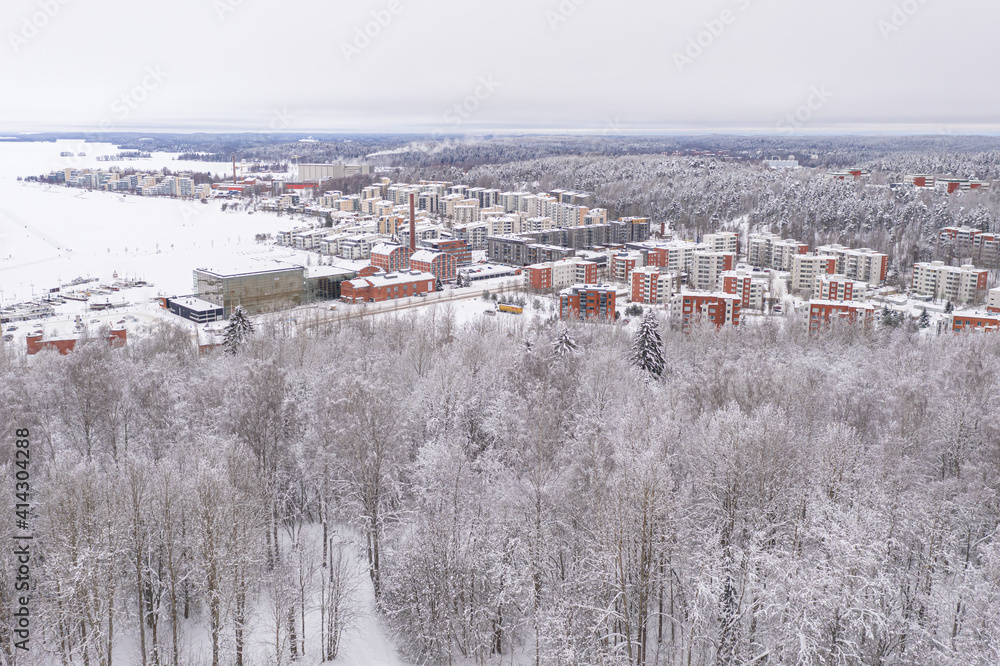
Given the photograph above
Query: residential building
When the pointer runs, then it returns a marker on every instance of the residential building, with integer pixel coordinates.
(863, 264)
(835, 288)
(588, 301)
(822, 313)
(750, 287)
(624, 263)
(806, 268)
(964, 284)
(720, 309)
(993, 301)
(562, 274)
(707, 267)
(974, 322)
(723, 241)
(652, 285)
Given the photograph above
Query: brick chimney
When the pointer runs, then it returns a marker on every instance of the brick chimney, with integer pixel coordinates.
(413, 223)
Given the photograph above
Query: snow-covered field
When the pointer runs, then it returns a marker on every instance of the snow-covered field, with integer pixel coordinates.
(50, 235)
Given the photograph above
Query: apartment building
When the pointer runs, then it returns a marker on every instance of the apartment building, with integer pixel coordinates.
(588, 301)
(562, 274)
(823, 314)
(974, 322)
(750, 287)
(707, 267)
(456, 247)
(624, 263)
(964, 284)
(720, 309)
(863, 264)
(474, 235)
(807, 267)
(993, 301)
(676, 256)
(723, 241)
(835, 288)
(651, 286)
(771, 251)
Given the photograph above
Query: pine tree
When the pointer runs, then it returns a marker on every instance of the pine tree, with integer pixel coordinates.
(949, 307)
(925, 319)
(563, 344)
(647, 351)
(238, 332)
(438, 286)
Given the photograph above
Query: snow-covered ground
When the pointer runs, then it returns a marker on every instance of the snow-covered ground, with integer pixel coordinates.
(50, 235)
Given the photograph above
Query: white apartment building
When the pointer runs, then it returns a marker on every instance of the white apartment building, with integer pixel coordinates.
(474, 235)
(707, 267)
(770, 251)
(723, 241)
(807, 267)
(863, 264)
(652, 286)
(963, 285)
(749, 286)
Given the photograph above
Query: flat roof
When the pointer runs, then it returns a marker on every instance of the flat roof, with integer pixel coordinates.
(196, 304)
(327, 271)
(249, 267)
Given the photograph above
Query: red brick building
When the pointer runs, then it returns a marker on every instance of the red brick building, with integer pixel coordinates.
(116, 338)
(588, 301)
(823, 313)
(440, 264)
(834, 288)
(694, 307)
(387, 287)
(457, 247)
(390, 257)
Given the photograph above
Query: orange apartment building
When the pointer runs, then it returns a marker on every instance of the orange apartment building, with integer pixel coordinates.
(588, 301)
(823, 313)
(652, 286)
(691, 308)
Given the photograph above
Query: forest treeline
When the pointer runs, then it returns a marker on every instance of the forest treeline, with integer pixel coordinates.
(773, 498)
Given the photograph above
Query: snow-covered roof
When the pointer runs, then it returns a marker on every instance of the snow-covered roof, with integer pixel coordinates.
(425, 256)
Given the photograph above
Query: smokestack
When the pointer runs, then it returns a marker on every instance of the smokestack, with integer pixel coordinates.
(234, 168)
(413, 223)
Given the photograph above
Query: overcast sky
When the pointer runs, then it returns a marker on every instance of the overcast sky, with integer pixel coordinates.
(584, 65)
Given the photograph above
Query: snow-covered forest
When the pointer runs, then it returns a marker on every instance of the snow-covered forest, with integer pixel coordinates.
(516, 494)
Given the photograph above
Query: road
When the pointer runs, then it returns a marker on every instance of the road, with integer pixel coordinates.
(347, 312)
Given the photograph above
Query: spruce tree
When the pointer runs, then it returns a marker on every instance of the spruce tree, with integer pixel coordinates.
(438, 286)
(563, 344)
(925, 319)
(647, 351)
(949, 307)
(238, 332)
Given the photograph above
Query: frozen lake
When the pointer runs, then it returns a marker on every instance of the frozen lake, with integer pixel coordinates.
(50, 235)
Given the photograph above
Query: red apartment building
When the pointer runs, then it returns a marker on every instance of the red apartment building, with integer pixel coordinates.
(823, 313)
(386, 287)
(694, 307)
(440, 264)
(587, 301)
(390, 257)
(651, 285)
(834, 288)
